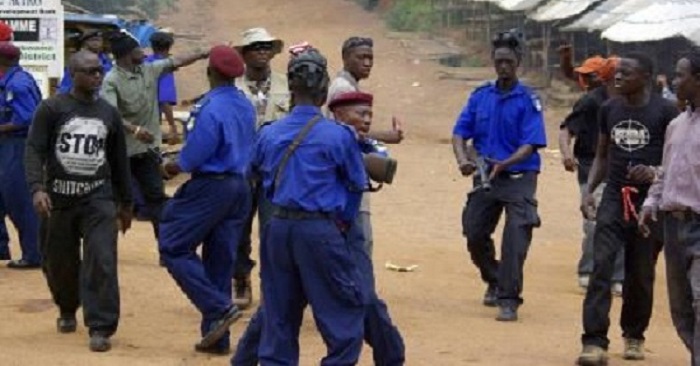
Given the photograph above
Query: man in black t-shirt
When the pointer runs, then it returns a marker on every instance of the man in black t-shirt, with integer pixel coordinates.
(597, 74)
(630, 147)
(78, 171)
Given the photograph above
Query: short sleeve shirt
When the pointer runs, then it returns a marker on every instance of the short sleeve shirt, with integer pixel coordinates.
(135, 95)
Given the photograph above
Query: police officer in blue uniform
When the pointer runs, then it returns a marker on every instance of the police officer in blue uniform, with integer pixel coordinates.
(19, 97)
(380, 333)
(212, 206)
(313, 173)
(504, 122)
(90, 41)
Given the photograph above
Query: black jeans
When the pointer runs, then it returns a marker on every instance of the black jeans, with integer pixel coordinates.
(145, 169)
(612, 235)
(93, 280)
(516, 195)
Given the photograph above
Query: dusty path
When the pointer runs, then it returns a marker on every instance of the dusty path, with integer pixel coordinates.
(416, 222)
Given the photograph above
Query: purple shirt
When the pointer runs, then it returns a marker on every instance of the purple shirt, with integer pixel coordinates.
(167, 92)
(678, 185)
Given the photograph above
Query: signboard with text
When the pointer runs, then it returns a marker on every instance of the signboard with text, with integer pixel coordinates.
(38, 31)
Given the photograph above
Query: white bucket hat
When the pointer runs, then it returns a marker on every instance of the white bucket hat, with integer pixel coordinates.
(258, 35)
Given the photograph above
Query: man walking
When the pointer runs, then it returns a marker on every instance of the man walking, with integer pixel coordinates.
(676, 193)
(630, 145)
(353, 109)
(269, 93)
(313, 173)
(19, 97)
(504, 121)
(596, 73)
(211, 208)
(77, 139)
(132, 87)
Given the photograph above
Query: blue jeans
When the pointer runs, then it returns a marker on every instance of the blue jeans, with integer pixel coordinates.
(682, 251)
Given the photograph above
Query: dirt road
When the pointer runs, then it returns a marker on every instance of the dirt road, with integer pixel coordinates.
(417, 221)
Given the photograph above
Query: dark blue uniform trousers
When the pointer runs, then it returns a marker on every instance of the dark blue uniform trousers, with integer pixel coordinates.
(207, 210)
(17, 199)
(4, 236)
(309, 261)
(380, 333)
(516, 195)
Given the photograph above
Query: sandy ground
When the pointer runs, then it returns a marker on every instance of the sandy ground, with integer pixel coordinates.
(417, 221)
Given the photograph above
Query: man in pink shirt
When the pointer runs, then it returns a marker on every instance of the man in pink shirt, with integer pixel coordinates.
(676, 192)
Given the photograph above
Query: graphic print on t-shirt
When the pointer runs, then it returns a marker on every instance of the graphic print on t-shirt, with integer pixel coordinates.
(80, 146)
(630, 135)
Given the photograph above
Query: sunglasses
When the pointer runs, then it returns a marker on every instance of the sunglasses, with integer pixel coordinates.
(260, 46)
(91, 70)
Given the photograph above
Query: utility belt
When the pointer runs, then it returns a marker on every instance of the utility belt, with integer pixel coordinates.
(511, 175)
(297, 214)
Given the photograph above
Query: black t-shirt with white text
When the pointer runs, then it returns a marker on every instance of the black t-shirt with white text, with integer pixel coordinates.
(76, 150)
(636, 134)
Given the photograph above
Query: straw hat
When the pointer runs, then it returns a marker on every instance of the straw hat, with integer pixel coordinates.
(258, 35)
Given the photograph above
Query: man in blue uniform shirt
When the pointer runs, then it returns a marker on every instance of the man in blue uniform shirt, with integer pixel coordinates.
(211, 208)
(19, 97)
(505, 124)
(313, 173)
(161, 43)
(91, 41)
(353, 109)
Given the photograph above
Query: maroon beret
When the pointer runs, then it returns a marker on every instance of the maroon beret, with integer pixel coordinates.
(350, 98)
(5, 32)
(226, 61)
(9, 51)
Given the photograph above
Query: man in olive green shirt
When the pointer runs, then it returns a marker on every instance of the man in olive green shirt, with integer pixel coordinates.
(132, 87)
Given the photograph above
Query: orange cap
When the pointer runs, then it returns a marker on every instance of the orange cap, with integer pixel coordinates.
(591, 65)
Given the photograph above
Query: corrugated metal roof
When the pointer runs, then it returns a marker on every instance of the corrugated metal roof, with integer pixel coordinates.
(519, 5)
(560, 9)
(606, 14)
(661, 20)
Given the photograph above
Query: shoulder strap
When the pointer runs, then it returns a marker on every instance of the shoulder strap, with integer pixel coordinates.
(292, 147)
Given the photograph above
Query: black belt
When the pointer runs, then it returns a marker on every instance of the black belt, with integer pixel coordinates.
(512, 175)
(684, 215)
(295, 214)
(211, 175)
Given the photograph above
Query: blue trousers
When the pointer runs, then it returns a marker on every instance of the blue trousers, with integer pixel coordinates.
(4, 236)
(209, 211)
(17, 199)
(380, 333)
(309, 261)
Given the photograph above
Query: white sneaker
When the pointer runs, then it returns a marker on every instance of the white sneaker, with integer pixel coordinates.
(617, 289)
(583, 280)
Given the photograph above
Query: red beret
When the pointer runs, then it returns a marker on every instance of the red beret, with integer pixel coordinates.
(226, 61)
(5, 32)
(9, 51)
(350, 98)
